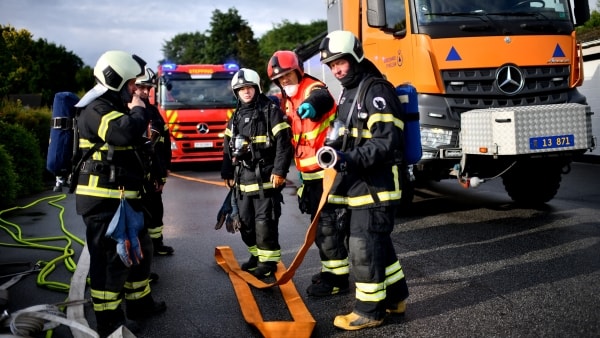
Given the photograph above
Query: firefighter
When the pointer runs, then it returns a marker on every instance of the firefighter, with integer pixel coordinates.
(310, 108)
(112, 121)
(257, 157)
(368, 151)
(159, 136)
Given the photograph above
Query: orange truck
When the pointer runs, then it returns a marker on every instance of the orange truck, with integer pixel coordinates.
(196, 102)
(496, 83)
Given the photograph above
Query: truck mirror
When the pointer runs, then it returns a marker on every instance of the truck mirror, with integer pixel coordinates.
(376, 13)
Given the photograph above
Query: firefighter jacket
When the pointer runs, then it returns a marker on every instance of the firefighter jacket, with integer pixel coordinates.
(160, 138)
(309, 134)
(117, 166)
(373, 148)
(267, 150)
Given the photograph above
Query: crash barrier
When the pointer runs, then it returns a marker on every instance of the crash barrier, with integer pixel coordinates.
(303, 323)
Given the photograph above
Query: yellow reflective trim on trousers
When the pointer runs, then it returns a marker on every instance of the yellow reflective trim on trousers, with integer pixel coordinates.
(138, 295)
(370, 292)
(313, 176)
(137, 285)
(106, 119)
(336, 267)
(268, 255)
(253, 250)
(279, 127)
(393, 273)
(228, 132)
(109, 306)
(388, 117)
(104, 294)
(155, 232)
(305, 162)
(254, 187)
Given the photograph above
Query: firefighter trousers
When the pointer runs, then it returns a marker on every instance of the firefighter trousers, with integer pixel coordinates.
(108, 275)
(379, 279)
(260, 224)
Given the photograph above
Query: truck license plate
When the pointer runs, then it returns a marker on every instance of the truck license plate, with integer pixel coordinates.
(203, 144)
(547, 142)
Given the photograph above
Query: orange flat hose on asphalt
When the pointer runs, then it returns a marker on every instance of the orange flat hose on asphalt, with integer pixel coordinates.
(303, 322)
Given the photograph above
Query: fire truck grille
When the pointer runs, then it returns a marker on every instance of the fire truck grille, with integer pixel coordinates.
(468, 89)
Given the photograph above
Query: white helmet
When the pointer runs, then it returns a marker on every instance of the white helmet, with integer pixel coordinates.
(114, 68)
(245, 77)
(340, 43)
(148, 79)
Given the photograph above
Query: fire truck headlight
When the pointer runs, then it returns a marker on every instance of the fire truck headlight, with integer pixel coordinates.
(173, 146)
(435, 137)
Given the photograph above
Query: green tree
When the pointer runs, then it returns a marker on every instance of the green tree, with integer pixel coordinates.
(185, 48)
(230, 40)
(30, 66)
(288, 36)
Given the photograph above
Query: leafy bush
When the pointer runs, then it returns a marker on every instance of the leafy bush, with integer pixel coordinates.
(23, 146)
(34, 120)
(10, 187)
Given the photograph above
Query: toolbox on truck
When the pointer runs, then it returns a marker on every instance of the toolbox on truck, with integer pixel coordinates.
(526, 130)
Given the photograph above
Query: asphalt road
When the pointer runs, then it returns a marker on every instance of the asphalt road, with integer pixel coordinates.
(476, 265)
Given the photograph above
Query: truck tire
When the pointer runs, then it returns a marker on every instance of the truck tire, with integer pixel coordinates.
(533, 182)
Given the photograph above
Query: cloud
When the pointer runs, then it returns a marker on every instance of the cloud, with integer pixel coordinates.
(88, 28)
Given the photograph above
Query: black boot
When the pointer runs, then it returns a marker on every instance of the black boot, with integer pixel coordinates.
(145, 307)
(109, 321)
(264, 269)
(160, 249)
(251, 264)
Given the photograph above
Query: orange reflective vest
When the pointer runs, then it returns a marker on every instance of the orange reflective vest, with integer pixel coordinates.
(308, 135)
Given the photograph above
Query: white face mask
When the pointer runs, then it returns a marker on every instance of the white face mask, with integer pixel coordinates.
(291, 90)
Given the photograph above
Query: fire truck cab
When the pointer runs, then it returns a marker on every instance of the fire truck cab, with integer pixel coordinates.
(196, 102)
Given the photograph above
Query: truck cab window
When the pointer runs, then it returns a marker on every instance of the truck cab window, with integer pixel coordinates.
(395, 15)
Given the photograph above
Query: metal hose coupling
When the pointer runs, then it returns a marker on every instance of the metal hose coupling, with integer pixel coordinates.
(327, 157)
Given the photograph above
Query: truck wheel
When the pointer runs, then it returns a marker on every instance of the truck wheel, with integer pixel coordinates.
(533, 182)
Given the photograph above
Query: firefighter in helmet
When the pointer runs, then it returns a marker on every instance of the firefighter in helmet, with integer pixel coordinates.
(310, 108)
(368, 149)
(111, 123)
(257, 156)
(160, 139)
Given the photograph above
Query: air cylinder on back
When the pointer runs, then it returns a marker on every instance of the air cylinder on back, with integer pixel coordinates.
(412, 129)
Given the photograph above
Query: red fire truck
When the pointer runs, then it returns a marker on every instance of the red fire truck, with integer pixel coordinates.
(196, 101)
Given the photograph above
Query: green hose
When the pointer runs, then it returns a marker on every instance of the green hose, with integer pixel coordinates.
(67, 252)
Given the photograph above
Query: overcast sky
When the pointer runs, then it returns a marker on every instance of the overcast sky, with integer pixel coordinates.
(88, 28)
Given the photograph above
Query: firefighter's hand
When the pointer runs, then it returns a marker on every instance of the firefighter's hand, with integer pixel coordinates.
(306, 111)
(277, 180)
(136, 101)
(228, 183)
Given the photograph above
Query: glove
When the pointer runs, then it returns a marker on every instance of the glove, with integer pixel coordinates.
(277, 180)
(306, 111)
(341, 163)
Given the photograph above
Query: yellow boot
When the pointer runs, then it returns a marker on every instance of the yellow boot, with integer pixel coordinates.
(398, 309)
(354, 321)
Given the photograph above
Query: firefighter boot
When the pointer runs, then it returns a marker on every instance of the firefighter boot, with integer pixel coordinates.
(354, 321)
(264, 269)
(327, 284)
(160, 249)
(251, 264)
(109, 321)
(144, 307)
